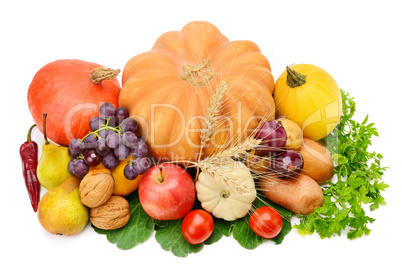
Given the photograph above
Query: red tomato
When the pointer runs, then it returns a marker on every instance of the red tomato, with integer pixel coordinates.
(197, 226)
(266, 222)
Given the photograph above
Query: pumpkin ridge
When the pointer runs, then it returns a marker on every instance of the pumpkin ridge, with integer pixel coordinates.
(245, 61)
(145, 60)
(231, 49)
(201, 40)
(172, 56)
(177, 52)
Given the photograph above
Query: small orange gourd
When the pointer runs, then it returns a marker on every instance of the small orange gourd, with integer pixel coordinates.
(169, 88)
(71, 91)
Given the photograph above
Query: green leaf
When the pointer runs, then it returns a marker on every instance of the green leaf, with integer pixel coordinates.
(224, 227)
(215, 237)
(381, 186)
(138, 229)
(286, 228)
(244, 235)
(170, 238)
(339, 159)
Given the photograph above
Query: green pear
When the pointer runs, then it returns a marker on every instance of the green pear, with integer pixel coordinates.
(61, 211)
(52, 167)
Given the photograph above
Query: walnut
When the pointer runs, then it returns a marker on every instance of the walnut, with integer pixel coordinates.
(96, 187)
(113, 214)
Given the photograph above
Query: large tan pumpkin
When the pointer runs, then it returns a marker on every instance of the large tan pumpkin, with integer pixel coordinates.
(168, 90)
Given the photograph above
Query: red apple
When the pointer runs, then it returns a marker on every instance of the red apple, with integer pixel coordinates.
(166, 192)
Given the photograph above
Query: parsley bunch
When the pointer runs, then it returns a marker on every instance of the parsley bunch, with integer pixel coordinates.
(357, 185)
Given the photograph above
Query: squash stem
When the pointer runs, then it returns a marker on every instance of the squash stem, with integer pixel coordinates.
(99, 74)
(294, 79)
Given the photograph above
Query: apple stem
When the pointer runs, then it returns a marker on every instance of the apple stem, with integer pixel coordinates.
(160, 171)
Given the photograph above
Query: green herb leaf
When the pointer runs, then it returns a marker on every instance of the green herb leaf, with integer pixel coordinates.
(136, 231)
(358, 179)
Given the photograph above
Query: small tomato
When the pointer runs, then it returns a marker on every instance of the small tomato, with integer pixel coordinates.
(266, 222)
(197, 226)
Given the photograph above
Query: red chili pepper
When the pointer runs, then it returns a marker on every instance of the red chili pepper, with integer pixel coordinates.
(29, 157)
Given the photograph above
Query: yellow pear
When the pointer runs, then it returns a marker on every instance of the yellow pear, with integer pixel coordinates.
(52, 167)
(61, 211)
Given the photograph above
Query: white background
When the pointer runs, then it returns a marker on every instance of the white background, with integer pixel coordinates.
(358, 42)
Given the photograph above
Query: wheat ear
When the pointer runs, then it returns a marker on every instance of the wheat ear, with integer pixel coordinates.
(214, 109)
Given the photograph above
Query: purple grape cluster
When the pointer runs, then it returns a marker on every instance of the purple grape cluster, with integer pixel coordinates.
(284, 162)
(112, 139)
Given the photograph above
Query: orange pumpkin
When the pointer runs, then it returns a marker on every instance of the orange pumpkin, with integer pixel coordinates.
(168, 90)
(70, 91)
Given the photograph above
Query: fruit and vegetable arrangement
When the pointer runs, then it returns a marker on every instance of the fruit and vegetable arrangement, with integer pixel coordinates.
(198, 142)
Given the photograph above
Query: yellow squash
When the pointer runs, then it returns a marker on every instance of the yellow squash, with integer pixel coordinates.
(309, 96)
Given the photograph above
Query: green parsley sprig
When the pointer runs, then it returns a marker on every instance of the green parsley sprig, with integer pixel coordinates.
(358, 183)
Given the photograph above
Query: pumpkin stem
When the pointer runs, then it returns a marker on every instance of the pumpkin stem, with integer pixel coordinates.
(44, 128)
(99, 74)
(198, 75)
(294, 79)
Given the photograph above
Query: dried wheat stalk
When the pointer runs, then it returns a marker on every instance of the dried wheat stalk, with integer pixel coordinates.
(215, 163)
(214, 109)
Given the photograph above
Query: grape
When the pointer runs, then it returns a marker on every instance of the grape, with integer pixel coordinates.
(140, 165)
(122, 152)
(92, 158)
(273, 137)
(96, 122)
(69, 166)
(101, 147)
(76, 146)
(90, 141)
(140, 149)
(129, 124)
(129, 172)
(79, 168)
(110, 161)
(113, 140)
(287, 164)
(104, 133)
(120, 114)
(71, 155)
(106, 110)
(129, 139)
